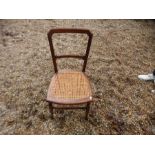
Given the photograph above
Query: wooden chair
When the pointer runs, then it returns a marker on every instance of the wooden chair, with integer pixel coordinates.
(69, 88)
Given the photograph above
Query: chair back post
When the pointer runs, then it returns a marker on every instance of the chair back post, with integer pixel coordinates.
(52, 50)
(54, 57)
(87, 50)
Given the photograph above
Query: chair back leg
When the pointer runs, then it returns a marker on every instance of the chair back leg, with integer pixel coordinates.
(87, 110)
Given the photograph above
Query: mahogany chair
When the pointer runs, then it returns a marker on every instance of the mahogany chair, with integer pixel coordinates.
(69, 88)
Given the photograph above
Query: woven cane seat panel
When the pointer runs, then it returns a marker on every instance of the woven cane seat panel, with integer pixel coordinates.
(69, 87)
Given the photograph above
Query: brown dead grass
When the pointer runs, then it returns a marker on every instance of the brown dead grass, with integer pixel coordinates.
(121, 50)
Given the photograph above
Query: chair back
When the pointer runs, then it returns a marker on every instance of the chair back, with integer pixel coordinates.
(83, 57)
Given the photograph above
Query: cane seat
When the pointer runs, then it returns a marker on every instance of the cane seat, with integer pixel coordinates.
(69, 87)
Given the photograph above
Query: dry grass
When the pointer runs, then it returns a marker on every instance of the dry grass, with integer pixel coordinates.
(121, 50)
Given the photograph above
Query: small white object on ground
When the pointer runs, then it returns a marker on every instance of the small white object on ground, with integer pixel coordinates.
(153, 91)
(147, 77)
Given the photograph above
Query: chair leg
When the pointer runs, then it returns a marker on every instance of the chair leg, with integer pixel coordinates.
(87, 110)
(51, 109)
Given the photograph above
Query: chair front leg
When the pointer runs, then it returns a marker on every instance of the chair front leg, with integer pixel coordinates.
(51, 109)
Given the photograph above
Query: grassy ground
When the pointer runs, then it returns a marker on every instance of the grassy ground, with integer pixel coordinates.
(121, 49)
